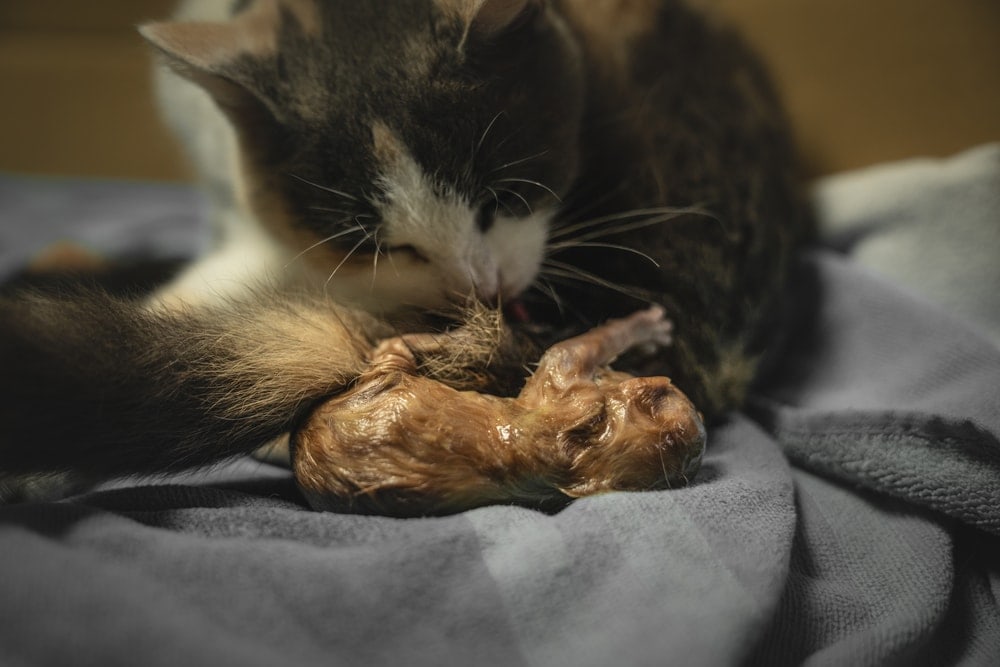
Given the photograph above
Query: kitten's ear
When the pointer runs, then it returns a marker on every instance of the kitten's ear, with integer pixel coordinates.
(496, 17)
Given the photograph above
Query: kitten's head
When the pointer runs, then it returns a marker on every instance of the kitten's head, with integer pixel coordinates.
(426, 143)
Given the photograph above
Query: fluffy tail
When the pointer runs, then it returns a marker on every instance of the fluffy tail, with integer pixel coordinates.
(103, 386)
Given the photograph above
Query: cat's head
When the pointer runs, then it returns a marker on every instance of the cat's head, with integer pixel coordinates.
(418, 148)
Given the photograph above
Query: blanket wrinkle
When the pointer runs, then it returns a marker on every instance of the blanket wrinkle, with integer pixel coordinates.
(928, 431)
(850, 518)
(929, 461)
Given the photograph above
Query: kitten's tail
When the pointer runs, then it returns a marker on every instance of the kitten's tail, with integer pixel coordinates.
(104, 387)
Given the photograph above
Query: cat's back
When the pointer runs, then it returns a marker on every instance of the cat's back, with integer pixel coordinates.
(681, 115)
(683, 90)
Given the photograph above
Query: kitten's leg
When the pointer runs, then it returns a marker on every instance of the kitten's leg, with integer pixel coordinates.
(398, 353)
(580, 357)
(482, 354)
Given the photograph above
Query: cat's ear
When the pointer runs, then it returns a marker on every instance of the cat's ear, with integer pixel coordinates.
(487, 20)
(206, 54)
(225, 60)
(492, 18)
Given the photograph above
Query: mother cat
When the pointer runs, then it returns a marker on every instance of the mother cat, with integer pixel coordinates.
(375, 162)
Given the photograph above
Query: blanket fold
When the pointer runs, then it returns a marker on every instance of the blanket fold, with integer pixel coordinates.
(890, 393)
(851, 517)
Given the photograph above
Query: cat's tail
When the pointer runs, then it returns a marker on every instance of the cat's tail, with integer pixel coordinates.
(102, 386)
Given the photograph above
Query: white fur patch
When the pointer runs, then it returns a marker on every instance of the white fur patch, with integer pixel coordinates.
(451, 258)
(246, 258)
(432, 251)
(519, 247)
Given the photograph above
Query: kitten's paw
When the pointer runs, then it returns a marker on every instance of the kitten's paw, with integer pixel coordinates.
(651, 330)
(394, 353)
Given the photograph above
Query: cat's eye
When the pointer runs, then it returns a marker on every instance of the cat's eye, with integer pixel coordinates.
(486, 216)
(503, 202)
(407, 250)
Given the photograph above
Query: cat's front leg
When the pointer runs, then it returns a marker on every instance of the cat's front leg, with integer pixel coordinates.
(481, 354)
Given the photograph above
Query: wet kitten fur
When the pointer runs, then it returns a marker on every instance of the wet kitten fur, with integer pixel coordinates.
(373, 161)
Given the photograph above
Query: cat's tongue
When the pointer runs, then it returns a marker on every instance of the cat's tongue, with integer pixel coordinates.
(516, 311)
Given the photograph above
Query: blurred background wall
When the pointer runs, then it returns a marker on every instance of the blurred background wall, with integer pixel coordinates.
(865, 80)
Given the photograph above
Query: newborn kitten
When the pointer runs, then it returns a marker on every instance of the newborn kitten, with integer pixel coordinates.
(376, 163)
(403, 444)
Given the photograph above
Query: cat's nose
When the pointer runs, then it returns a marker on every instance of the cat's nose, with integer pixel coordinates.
(488, 289)
(498, 297)
(491, 300)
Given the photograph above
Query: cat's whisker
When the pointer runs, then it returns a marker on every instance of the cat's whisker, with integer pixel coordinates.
(566, 245)
(593, 203)
(660, 214)
(566, 230)
(486, 132)
(555, 269)
(344, 260)
(528, 181)
(548, 290)
(332, 237)
(392, 263)
(325, 188)
(500, 144)
(375, 256)
(496, 198)
(568, 278)
(322, 209)
(663, 465)
(631, 226)
(527, 204)
(523, 160)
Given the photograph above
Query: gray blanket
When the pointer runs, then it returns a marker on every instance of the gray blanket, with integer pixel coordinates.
(850, 517)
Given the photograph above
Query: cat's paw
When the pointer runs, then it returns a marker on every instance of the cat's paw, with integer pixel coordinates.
(41, 488)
